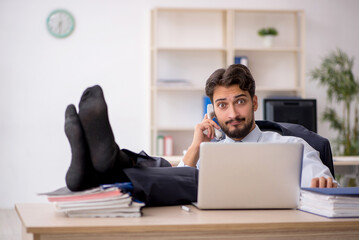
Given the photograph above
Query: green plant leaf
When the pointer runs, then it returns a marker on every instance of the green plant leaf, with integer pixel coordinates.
(267, 31)
(335, 74)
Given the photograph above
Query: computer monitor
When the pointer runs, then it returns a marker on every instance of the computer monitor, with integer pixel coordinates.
(298, 111)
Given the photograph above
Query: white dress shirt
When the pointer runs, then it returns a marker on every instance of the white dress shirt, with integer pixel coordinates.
(312, 165)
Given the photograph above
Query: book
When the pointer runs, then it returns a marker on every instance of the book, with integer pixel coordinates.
(330, 202)
(241, 60)
(122, 202)
(110, 200)
(96, 193)
(128, 211)
(205, 101)
(160, 145)
(168, 145)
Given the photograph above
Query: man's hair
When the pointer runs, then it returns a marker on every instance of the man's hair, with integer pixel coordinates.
(236, 74)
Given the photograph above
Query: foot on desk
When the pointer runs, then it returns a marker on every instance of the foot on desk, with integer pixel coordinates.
(105, 154)
(80, 174)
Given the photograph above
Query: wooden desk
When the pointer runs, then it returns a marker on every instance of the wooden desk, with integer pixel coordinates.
(40, 221)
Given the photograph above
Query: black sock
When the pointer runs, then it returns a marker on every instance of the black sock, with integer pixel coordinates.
(105, 153)
(80, 175)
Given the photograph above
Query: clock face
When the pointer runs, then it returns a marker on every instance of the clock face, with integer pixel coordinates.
(60, 23)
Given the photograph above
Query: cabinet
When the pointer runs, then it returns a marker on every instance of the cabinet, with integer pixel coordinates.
(187, 45)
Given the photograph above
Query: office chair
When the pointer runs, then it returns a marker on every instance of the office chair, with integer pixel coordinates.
(319, 143)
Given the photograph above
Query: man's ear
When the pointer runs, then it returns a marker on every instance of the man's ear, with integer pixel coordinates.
(255, 103)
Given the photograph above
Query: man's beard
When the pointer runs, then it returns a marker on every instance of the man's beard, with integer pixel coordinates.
(237, 133)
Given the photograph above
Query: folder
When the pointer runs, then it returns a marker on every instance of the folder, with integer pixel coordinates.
(330, 202)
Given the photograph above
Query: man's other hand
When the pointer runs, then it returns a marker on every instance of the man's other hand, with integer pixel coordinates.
(323, 182)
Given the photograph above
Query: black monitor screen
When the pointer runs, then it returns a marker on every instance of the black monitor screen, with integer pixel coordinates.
(298, 111)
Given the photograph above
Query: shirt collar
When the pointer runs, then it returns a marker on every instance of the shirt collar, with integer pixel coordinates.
(253, 136)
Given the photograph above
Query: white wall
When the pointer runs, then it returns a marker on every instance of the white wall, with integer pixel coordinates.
(40, 75)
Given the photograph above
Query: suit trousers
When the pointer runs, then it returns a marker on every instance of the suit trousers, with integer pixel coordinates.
(156, 183)
(164, 186)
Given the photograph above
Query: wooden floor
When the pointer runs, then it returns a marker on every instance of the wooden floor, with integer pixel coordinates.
(10, 226)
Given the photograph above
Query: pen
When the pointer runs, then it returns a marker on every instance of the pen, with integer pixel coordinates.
(187, 209)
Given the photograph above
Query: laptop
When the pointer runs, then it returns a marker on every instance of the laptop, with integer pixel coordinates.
(249, 175)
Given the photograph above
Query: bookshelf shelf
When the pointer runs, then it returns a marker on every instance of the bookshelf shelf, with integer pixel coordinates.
(268, 89)
(189, 44)
(199, 48)
(175, 128)
(175, 88)
(272, 49)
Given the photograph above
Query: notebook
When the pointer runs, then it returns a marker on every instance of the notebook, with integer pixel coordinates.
(249, 175)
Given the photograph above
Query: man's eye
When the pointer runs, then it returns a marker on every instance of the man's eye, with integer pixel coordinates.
(221, 105)
(241, 101)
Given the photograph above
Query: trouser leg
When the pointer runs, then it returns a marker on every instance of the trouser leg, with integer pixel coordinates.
(142, 159)
(161, 186)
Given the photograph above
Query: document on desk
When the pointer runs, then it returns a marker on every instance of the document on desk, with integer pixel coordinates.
(110, 200)
(330, 202)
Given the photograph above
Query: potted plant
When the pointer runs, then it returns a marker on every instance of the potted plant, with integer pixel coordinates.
(268, 34)
(335, 72)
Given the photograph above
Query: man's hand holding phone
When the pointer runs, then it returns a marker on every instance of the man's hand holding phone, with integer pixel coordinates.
(210, 115)
(203, 132)
(206, 131)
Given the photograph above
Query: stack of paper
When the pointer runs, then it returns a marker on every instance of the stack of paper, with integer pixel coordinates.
(330, 202)
(104, 201)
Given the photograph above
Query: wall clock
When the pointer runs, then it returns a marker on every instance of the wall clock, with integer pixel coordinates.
(60, 23)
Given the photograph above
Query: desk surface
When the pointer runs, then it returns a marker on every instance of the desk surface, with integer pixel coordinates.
(41, 219)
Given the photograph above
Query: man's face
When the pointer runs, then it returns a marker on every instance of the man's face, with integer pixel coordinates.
(234, 109)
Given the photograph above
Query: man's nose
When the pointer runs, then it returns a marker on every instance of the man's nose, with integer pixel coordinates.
(232, 113)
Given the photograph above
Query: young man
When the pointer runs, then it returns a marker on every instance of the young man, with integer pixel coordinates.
(97, 159)
(232, 92)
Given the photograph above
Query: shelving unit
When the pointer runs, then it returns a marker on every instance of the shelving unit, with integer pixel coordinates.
(189, 44)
